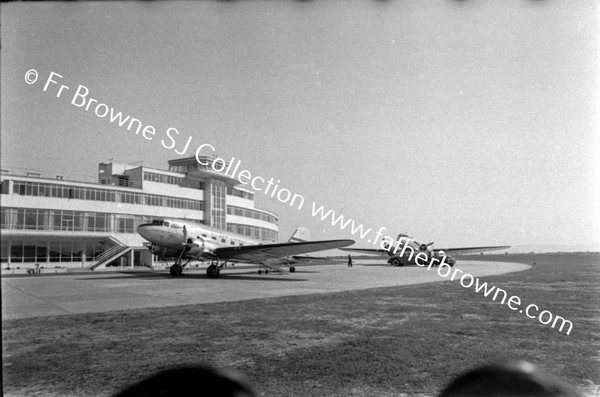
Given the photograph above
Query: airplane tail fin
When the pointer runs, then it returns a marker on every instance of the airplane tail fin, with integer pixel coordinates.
(300, 235)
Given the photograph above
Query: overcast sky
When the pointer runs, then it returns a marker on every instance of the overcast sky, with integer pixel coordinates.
(461, 122)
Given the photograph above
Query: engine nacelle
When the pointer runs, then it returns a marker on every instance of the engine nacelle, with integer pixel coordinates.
(199, 247)
(162, 251)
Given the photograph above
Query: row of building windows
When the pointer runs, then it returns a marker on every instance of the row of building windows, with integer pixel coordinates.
(95, 194)
(161, 178)
(63, 220)
(186, 182)
(174, 180)
(120, 180)
(247, 213)
(190, 166)
(253, 231)
(61, 191)
(51, 251)
(239, 193)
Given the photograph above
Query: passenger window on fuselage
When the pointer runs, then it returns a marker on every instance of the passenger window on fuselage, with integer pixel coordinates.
(223, 240)
(214, 238)
(204, 235)
(166, 224)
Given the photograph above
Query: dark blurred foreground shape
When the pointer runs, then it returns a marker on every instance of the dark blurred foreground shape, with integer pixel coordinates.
(514, 379)
(511, 379)
(192, 381)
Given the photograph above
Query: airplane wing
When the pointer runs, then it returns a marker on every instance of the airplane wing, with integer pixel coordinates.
(371, 251)
(320, 260)
(455, 251)
(469, 250)
(275, 267)
(296, 260)
(262, 252)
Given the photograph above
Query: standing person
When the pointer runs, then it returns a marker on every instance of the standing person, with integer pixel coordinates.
(349, 261)
(37, 267)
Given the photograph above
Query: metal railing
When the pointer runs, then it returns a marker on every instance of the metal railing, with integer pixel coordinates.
(110, 254)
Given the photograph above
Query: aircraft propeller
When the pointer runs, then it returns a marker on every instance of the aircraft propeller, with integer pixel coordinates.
(423, 247)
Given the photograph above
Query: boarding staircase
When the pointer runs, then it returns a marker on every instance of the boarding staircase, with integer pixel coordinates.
(110, 254)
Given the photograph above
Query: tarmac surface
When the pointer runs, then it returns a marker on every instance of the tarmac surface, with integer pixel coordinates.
(39, 295)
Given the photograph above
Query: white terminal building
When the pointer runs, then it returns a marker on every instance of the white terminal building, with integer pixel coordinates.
(59, 223)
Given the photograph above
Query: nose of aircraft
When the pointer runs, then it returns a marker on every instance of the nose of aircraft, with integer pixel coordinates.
(144, 231)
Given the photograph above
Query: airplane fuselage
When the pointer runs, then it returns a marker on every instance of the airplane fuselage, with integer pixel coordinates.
(168, 238)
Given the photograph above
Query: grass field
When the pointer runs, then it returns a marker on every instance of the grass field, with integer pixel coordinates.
(378, 342)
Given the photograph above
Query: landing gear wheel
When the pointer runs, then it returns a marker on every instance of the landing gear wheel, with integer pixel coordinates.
(267, 271)
(176, 270)
(396, 262)
(260, 272)
(213, 271)
(292, 269)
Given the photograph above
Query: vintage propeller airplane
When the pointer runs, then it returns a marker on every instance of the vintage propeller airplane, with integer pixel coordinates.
(173, 238)
(405, 250)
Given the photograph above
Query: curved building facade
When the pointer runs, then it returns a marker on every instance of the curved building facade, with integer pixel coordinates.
(58, 223)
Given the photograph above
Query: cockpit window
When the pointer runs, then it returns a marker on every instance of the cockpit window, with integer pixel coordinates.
(166, 224)
(157, 222)
(176, 225)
